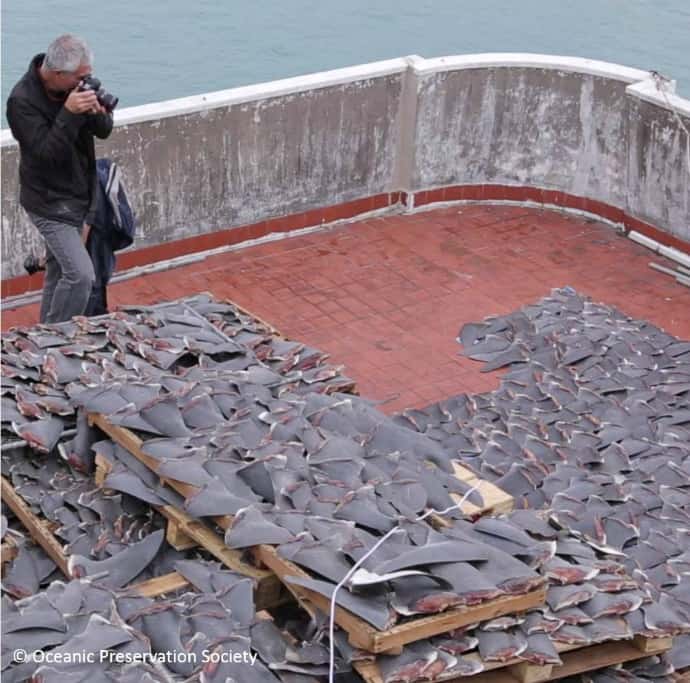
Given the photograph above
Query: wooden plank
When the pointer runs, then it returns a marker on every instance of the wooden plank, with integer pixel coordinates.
(210, 540)
(425, 627)
(174, 581)
(103, 469)
(369, 671)
(496, 500)
(174, 534)
(651, 646)
(575, 661)
(192, 527)
(38, 529)
(41, 531)
(606, 654)
(177, 538)
(364, 636)
(8, 551)
(525, 672)
(132, 443)
(160, 585)
(269, 589)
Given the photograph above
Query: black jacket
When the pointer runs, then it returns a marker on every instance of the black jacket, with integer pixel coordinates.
(57, 168)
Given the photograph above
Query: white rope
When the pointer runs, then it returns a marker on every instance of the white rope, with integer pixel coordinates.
(369, 553)
(659, 81)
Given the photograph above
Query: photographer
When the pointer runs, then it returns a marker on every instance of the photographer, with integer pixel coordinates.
(54, 112)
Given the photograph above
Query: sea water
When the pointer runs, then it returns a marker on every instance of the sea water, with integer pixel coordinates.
(152, 50)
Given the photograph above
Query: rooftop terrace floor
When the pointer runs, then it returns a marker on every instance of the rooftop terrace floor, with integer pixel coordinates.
(386, 296)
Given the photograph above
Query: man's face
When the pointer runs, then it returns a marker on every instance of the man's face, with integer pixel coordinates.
(67, 81)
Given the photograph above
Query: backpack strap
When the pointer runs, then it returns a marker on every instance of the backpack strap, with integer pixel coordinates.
(112, 191)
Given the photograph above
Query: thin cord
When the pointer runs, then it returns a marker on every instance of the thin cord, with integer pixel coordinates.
(346, 578)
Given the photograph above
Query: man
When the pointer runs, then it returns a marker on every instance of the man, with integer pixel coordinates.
(54, 124)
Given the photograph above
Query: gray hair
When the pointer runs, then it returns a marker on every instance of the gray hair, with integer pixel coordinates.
(67, 53)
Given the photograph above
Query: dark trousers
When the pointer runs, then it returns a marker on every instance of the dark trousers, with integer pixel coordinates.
(69, 271)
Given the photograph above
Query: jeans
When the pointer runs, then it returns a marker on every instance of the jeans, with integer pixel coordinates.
(69, 271)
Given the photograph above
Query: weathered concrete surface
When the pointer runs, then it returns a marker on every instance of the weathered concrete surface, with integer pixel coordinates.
(239, 164)
(19, 237)
(518, 126)
(606, 134)
(235, 157)
(659, 167)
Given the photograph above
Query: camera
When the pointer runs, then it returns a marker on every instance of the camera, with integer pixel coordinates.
(32, 264)
(105, 99)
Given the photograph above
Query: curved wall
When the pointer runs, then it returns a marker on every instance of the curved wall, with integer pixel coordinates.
(561, 130)
(608, 135)
(523, 126)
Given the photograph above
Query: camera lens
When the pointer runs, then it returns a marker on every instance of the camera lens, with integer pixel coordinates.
(108, 101)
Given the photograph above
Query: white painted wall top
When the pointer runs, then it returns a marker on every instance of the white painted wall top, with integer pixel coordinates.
(223, 98)
(660, 94)
(248, 93)
(525, 60)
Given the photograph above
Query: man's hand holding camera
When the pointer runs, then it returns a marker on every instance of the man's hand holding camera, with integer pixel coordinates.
(84, 102)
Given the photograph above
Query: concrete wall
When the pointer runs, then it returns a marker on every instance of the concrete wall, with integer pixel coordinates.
(236, 157)
(522, 126)
(587, 128)
(659, 158)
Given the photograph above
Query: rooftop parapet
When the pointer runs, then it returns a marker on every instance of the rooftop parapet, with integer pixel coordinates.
(594, 136)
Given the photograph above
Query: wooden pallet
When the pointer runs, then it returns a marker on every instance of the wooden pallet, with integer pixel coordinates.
(364, 636)
(361, 634)
(41, 531)
(496, 500)
(185, 532)
(179, 524)
(575, 661)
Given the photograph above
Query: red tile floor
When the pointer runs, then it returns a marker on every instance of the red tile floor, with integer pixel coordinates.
(387, 296)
